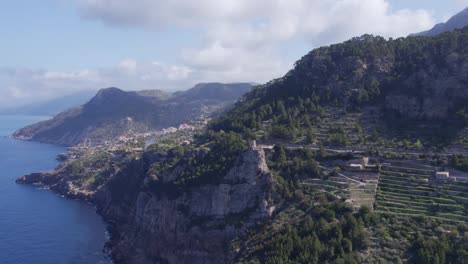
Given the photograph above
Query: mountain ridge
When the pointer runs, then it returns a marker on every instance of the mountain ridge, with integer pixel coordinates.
(409, 80)
(53, 106)
(457, 21)
(113, 112)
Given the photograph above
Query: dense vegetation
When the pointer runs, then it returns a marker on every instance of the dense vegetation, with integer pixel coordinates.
(328, 233)
(205, 163)
(352, 75)
(211, 165)
(444, 249)
(460, 162)
(93, 170)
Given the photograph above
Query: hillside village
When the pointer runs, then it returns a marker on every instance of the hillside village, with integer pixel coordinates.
(135, 143)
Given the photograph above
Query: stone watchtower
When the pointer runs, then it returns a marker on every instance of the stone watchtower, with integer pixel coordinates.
(253, 144)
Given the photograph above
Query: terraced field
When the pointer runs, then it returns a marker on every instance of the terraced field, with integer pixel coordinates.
(360, 128)
(333, 185)
(350, 122)
(363, 194)
(404, 190)
(355, 192)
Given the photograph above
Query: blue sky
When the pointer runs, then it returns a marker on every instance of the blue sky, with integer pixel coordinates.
(53, 35)
(54, 47)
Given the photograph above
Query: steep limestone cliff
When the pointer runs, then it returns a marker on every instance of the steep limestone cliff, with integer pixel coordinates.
(196, 225)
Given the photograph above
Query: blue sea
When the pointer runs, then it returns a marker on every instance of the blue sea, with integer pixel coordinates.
(37, 225)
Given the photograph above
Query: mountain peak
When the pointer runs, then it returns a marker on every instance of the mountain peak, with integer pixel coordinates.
(457, 21)
(102, 117)
(109, 91)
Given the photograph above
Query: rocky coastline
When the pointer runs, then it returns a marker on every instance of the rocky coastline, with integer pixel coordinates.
(194, 226)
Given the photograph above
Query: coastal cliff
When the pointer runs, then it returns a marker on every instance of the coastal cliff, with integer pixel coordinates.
(191, 225)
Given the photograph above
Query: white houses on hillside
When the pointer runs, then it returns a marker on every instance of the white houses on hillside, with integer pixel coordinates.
(360, 164)
(444, 176)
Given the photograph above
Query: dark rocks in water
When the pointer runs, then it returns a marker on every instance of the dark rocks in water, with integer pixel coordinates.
(62, 157)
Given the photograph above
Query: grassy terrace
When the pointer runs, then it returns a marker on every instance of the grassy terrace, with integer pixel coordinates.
(350, 122)
(418, 215)
(332, 185)
(360, 128)
(411, 191)
(356, 193)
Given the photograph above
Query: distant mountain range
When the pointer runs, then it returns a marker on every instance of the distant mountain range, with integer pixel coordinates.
(53, 106)
(113, 112)
(457, 21)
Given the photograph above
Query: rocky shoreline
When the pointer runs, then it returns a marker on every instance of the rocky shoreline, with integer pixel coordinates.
(50, 181)
(56, 182)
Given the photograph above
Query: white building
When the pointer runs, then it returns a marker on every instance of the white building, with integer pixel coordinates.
(442, 175)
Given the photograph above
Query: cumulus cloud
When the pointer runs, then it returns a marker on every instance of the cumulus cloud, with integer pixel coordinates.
(262, 20)
(28, 85)
(242, 40)
(242, 36)
(22, 86)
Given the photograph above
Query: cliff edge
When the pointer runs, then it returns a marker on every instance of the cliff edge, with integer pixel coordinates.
(193, 224)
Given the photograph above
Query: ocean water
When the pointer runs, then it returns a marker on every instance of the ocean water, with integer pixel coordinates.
(37, 225)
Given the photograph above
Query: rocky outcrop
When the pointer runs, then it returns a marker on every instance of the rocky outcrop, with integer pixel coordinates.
(59, 182)
(438, 91)
(193, 225)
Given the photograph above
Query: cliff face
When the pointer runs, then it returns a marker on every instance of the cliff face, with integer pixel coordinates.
(438, 91)
(429, 83)
(194, 225)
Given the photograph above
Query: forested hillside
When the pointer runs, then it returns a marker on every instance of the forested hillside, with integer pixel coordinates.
(414, 82)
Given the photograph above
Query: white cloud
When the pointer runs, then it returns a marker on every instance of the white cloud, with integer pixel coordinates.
(243, 40)
(15, 93)
(26, 85)
(243, 34)
(128, 66)
(261, 20)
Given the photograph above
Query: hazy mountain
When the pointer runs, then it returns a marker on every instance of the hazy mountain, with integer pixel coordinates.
(457, 21)
(112, 112)
(53, 106)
